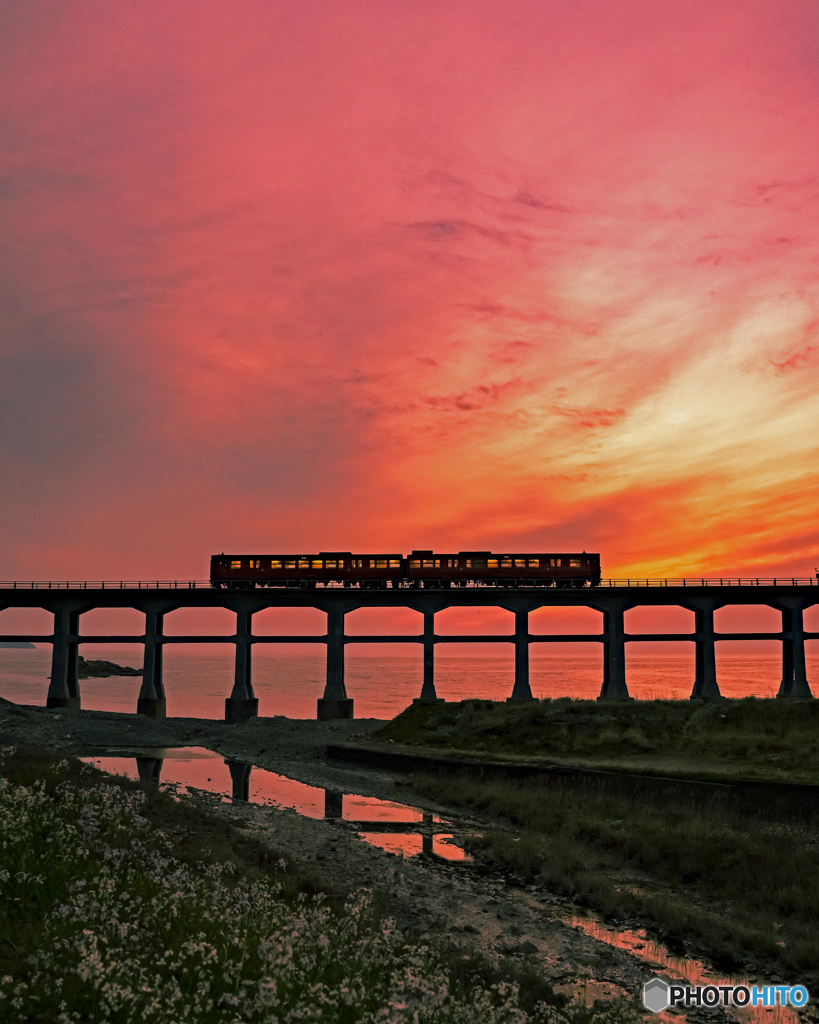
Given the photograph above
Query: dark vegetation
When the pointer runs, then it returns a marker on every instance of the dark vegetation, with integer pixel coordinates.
(736, 882)
(736, 887)
(197, 839)
(37, 880)
(752, 738)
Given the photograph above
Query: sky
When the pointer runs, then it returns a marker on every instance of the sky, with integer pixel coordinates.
(375, 275)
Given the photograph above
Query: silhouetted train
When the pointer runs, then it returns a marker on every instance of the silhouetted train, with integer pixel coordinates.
(420, 569)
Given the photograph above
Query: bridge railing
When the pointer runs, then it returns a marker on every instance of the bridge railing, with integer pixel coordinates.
(681, 581)
(713, 581)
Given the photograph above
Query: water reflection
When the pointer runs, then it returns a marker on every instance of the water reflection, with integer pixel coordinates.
(240, 780)
(394, 827)
(149, 769)
(683, 969)
(408, 831)
(333, 804)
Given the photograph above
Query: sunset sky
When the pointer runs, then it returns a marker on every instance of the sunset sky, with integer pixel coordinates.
(385, 274)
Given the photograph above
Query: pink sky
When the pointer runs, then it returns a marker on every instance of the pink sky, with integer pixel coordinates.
(373, 276)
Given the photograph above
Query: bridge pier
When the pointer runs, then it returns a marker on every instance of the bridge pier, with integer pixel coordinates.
(705, 679)
(794, 670)
(614, 654)
(521, 690)
(335, 703)
(151, 699)
(64, 688)
(242, 703)
(428, 692)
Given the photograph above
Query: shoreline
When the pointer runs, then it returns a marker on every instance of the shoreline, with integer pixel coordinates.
(482, 907)
(472, 907)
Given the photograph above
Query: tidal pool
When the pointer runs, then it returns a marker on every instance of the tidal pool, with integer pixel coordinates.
(409, 831)
(681, 969)
(394, 827)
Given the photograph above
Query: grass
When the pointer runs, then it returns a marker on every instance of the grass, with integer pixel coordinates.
(120, 904)
(733, 886)
(766, 740)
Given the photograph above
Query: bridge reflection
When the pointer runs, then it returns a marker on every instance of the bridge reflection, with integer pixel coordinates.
(397, 828)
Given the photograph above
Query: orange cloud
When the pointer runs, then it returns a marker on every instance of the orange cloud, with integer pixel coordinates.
(310, 276)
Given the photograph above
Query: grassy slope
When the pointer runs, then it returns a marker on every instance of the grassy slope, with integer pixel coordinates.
(739, 888)
(768, 740)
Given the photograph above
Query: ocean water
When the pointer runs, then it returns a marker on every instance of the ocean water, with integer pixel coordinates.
(287, 683)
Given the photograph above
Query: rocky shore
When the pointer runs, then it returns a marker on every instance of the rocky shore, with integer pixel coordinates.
(476, 907)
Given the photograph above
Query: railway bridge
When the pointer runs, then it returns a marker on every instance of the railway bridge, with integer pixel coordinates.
(68, 600)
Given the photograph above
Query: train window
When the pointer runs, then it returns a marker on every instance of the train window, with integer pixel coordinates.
(275, 563)
(478, 563)
(415, 563)
(492, 563)
(304, 563)
(534, 563)
(318, 564)
(520, 563)
(255, 563)
(290, 565)
(506, 563)
(428, 563)
(575, 563)
(395, 563)
(381, 563)
(451, 563)
(330, 564)
(236, 565)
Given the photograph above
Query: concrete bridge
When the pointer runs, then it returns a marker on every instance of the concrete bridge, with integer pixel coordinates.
(67, 601)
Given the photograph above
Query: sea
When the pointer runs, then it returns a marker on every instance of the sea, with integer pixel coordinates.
(288, 682)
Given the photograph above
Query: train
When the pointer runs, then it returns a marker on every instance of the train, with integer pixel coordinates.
(427, 569)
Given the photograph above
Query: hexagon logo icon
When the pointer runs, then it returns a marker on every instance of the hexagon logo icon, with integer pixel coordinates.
(655, 995)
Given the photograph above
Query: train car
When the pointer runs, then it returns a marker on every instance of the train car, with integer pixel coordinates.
(365, 571)
(423, 568)
(429, 568)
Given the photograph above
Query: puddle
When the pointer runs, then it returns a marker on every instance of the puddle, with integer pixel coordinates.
(659, 961)
(408, 831)
(394, 827)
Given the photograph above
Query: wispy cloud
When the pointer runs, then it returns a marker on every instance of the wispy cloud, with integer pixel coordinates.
(304, 275)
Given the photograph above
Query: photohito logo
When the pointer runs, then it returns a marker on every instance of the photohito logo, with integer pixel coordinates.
(658, 995)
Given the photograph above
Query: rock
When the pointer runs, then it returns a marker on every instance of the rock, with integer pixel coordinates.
(103, 669)
(519, 948)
